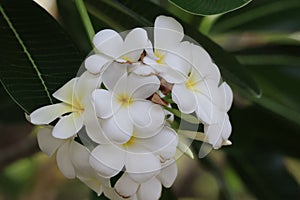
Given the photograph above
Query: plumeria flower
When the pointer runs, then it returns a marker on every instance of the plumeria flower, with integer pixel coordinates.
(72, 159)
(126, 188)
(140, 156)
(124, 106)
(219, 131)
(112, 47)
(168, 34)
(74, 111)
(194, 95)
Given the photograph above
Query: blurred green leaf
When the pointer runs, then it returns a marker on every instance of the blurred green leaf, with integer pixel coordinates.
(9, 112)
(209, 7)
(70, 19)
(260, 139)
(38, 56)
(264, 173)
(276, 69)
(262, 15)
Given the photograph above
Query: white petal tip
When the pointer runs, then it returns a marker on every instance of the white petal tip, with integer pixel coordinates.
(27, 117)
(227, 143)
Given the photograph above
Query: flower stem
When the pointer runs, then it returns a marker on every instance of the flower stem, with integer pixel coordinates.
(85, 20)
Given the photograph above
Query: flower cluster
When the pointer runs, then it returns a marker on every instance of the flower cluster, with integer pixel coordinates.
(114, 120)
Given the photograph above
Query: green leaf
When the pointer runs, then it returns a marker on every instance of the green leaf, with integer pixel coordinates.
(209, 7)
(36, 57)
(265, 174)
(70, 19)
(263, 15)
(188, 118)
(276, 69)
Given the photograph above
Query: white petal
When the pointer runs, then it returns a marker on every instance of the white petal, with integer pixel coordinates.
(141, 87)
(163, 144)
(205, 105)
(64, 162)
(228, 95)
(95, 63)
(180, 58)
(107, 160)
(103, 103)
(108, 42)
(143, 70)
(150, 60)
(68, 126)
(134, 44)
(150, 190)
(112, 75)
(167, 32)
(185, 99)
(92, 126)
(47, 143)
(80, 158)
(146, 116)
(92, 183)
(47, 114)
(168, 173)
(125, 186)
(118, 128)
(171, 75)
(219, 131)
(203, 64)
(66, 92)
(86, 84)
(142, 166)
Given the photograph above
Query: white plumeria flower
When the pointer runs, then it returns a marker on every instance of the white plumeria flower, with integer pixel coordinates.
(141, 157)
(72, 159)
(168, 34)
(112, 47)
(219, 131)
(194, 95)
(124, 106)
(126, 188)
(74, 111)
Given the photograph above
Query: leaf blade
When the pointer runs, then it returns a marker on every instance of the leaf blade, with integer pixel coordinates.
(209, 7)
(38, 56)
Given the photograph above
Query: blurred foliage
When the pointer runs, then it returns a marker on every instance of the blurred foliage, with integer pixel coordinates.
(261, 40)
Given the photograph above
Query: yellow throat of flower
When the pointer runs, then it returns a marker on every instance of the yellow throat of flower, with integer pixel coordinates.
(160, 56)
(124, 100)
(191, 83)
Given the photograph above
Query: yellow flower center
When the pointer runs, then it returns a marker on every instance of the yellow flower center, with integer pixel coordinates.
(160, 56)
(192, 83)
(124, 100)
(77, 106)
(130, 142)
(126, 58)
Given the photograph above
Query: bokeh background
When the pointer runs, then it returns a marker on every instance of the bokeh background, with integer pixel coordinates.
(263, 162)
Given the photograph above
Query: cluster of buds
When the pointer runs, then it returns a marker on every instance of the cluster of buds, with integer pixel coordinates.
(119, 118)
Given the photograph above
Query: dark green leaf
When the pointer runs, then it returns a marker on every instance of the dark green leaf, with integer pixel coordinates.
(276, 69)
(265, 174)
(262, 15)
(72, 23)
(37, 57)
(209, 7)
